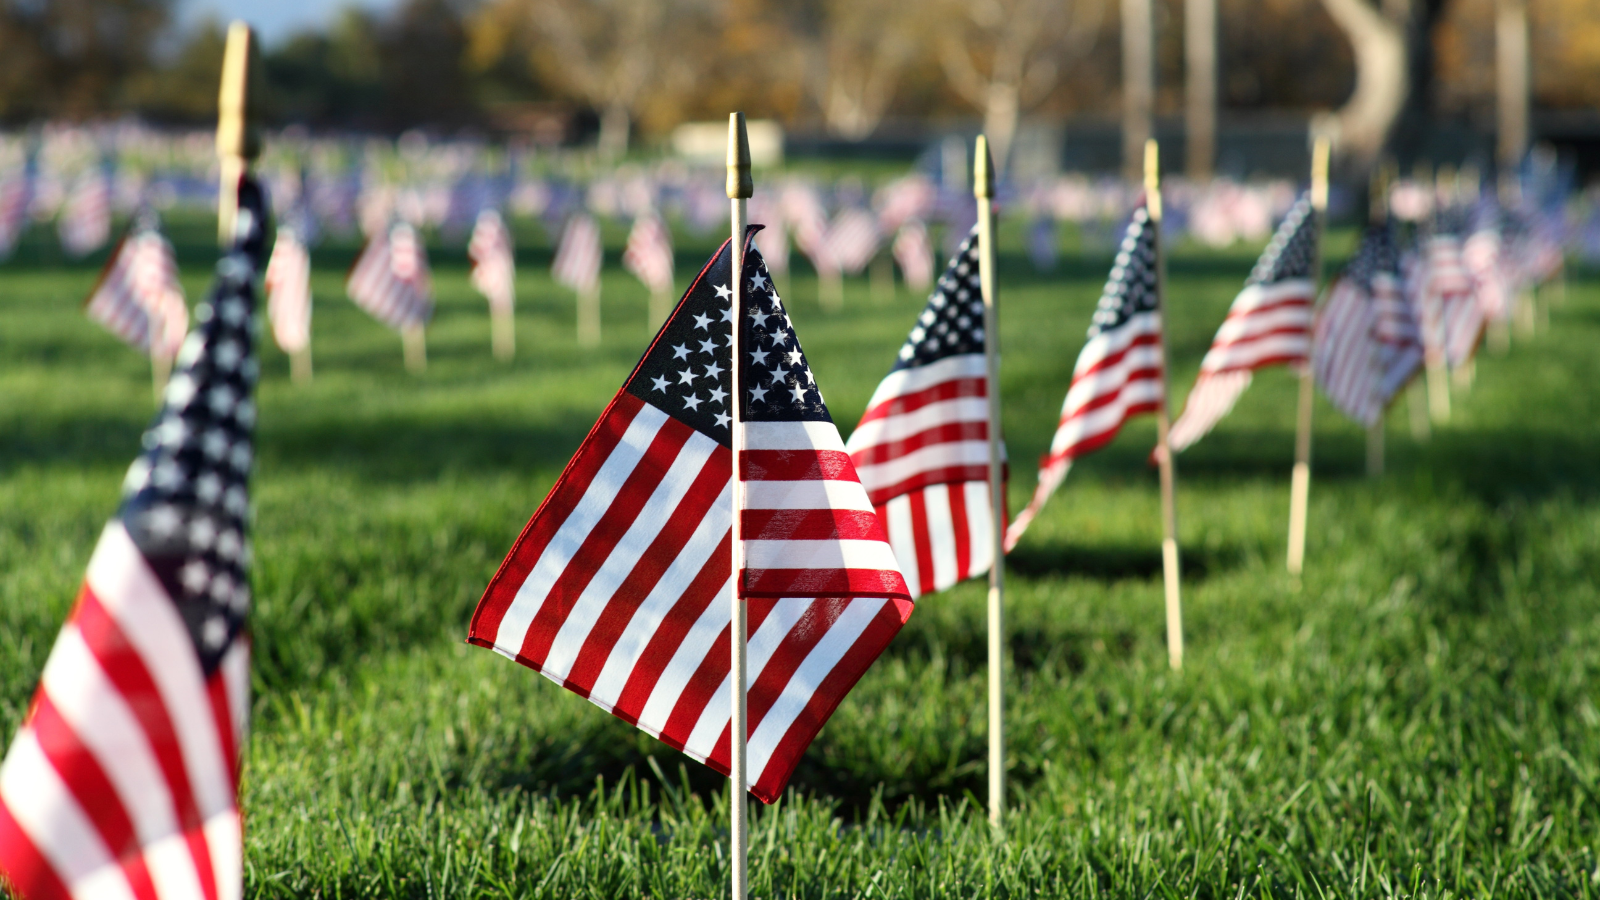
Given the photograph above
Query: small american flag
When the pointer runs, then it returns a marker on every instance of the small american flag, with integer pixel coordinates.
(390, 279)
(618, 587)
(1120, 371)
(288, 284)
(494, 268)
(922, 447)
(16, 198)
(914, 252)
(138, 297)
(123, 780)
(853, 239)
(1376, 269)
(1347, 351)
(1482, 254)
(649, 253)
(1451, 320)
(1268, 324)
(85, 222)
(577, 262)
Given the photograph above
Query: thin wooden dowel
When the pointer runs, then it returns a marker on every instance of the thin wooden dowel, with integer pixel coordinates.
(983, 189)
(160, 371)
(503, 333)
(1300, 478)
(1170, 563)
(300, 366)
(660, 307)
(589, 316)
(1417, 404)
(414, 341)
(739, 190)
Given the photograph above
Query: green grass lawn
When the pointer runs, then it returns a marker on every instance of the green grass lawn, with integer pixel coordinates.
(1416, 718)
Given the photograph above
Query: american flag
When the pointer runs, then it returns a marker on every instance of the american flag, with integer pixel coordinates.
(914, 252)
(649, 253)
(1483, 256)
(138, 297)
(1376, 269)
(390, 279)
(1451, 320)
(1347, 352)
(123, 780)
(1268, 324)
(618, 587)
(16, 198)
(85, 222)
(494, 269)
(577, 262)
(288, 284)
(1120, 370)
(853, 239)
(922, 447)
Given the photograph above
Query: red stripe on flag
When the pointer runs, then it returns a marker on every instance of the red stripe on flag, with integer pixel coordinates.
(962, 528)
(1143, 340)
(777, 583)
(810, 525)
(550, 516)
(24, 868)
(796, 465)
(954, 389)
(946, 475)
(920, 539)
(947, 433)
(702, 686)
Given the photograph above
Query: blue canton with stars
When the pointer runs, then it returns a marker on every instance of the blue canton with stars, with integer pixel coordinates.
(1293, 248)
(1131, 289)
(952, 322)
(185, 500)
(685, 373)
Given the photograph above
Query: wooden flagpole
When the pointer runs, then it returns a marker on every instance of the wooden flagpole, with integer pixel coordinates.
(589, 315)
(1300, 481)
(300, 365)
(983, 190)
(503, 333)
(238, 142)
(414, 341)
(740, 188)
(1169, 476)
(1377, 214)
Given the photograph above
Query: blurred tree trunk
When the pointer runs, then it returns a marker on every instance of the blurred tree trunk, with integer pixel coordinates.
(1138, 84)
(1512, 81)
(1391, 108)
(1200, 87)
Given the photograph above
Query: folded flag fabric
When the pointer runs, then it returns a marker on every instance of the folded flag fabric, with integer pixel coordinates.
(494, 268)
(390, 279)
(288, 285)
(1269, 324)
(618, 588)
(648, 254)
(1120, 372)
(123, 781)
(577, 262)
(138, 297)
(922, 447)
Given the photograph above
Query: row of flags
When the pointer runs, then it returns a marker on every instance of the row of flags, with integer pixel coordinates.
(123, 780)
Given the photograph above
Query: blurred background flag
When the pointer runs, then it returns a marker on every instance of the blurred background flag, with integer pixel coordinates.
(390, 279)
(494, 270)
(648, 254)
(1347, 355)
(578, 256)
(288, 285)
(1120, 371)
(913, 251)
(1268, 324)
(614, 588)
(84, 225)
(123, 780)
(16, 199)
(138, 297)
(1376, 269)
(922, 447)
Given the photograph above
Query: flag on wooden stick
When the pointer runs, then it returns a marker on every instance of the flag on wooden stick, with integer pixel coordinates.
(1376, 269)
(1269, 324)
(648, 254)
(138, 297)
(123, 781)
(1120, 371)
(390, 279)
(85, 222)
(616, 588)
(494, 270)
(1347, 353)
(578, 256)
(288, 285)
(922, 447)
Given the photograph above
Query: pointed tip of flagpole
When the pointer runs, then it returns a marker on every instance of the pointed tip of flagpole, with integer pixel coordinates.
(982, 170)
(1152, 178)
(740, 184)
(236, 128)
